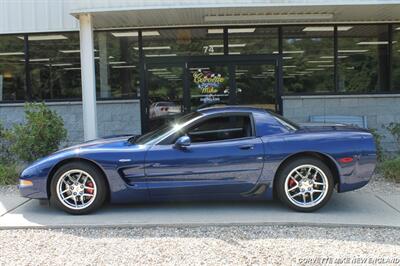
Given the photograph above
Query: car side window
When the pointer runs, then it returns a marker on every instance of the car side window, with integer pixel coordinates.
(221, 128)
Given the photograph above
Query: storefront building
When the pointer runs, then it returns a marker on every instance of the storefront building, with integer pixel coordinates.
(121, 67)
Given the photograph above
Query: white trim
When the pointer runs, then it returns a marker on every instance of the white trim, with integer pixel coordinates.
(167, 6)
(297, 97)
(72, 103)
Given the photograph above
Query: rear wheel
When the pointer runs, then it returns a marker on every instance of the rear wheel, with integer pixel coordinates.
(78, 188)
(305, 184)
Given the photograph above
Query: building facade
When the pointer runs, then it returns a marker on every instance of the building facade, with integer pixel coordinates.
(122, 67)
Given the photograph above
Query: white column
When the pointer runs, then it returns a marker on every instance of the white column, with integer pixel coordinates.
(88, 77)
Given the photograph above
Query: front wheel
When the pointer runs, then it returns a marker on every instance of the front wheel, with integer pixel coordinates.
(78, 188)
(305, 184)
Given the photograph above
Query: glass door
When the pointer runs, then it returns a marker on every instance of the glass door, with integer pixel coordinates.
(208, 83)
(178, 85)
(164, 94)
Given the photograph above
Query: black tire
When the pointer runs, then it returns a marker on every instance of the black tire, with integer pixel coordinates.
(98, 178)
(289, 167)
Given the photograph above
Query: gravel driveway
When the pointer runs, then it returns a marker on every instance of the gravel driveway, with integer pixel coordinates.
(198, 245)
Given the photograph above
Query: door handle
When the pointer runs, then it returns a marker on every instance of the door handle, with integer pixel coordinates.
(247, 147)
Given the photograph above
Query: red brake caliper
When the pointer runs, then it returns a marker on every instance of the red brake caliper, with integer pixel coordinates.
(89, 190)
(291, 182)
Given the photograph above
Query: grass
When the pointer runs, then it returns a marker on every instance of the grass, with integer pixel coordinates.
(8, 174)
(390, 169)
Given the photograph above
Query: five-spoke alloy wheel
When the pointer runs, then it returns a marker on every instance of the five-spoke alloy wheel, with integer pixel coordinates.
(78, 188)
(305, 184)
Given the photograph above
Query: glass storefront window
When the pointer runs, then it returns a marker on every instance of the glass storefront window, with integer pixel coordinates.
(252, 40)
(396, 58)
(183, 42)
(308, 59)
(54, 61)
(363, 58)
(12, 69)
(117, 64)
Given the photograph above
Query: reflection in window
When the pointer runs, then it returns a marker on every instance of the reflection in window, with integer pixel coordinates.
(55, 65)
(255, 86)
(117, 64)
(363, 58)
(396, 58)
(252, 40)
(12, 74)
(221, 128)
(308, 59)
(180, 42)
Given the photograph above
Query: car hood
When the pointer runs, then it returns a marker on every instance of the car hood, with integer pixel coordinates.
(107, 142)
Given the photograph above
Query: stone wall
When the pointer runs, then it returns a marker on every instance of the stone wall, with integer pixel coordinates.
(380, 110)
(113, 117)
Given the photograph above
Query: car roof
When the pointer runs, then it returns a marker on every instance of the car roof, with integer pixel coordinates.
(230, 108)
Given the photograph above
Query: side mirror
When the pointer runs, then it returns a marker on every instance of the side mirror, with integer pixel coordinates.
(183, 142)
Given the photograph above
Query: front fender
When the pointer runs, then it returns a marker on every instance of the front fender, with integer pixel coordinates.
(38, 174)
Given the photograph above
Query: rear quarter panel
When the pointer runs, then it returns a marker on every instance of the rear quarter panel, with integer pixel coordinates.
(332, 144)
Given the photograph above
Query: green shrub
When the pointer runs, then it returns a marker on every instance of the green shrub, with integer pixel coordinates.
(394, 129)
(8, 174)
(378, 143)
(390, 169)
(42, 133)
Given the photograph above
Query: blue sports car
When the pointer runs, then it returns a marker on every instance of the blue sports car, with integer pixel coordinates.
(215, 153)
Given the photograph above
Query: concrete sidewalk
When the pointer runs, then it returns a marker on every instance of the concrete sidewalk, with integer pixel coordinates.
(348, 209)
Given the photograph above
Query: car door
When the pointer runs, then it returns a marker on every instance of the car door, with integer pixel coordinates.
(224, 157)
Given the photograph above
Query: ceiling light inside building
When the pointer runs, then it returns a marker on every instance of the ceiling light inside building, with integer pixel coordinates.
(72, 68)
(199, 68)
(353, 51)
(374, 43)
(129, 66)
(135, 33)
(11, 53)
(319, 61)
(315, 69)
(325, 65)
(117, 62)
(60, 64)
(329, 28)
(266, 17)
(290, 52)
(157, 69)
(70, 51)
(331, 57)
(233, 30)
(50, 37)
(37, 60)
(154, 48)
(159, 55)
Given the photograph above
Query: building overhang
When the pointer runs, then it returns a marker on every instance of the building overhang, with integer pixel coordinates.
(246, 14)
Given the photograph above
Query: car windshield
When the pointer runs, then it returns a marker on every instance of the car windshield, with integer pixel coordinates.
(284, 121)
(152, 135)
